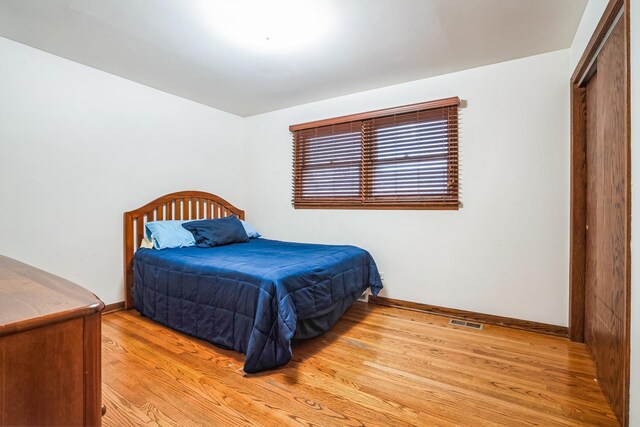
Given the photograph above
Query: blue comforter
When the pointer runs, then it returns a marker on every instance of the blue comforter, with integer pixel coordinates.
(249, 296)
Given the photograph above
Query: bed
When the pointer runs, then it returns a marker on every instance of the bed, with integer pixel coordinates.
(253, 297)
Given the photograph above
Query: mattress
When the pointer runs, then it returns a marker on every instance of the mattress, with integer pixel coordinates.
(252, 297)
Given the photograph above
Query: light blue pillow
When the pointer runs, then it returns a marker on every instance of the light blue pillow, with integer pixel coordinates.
(169, 234)
(251, 232)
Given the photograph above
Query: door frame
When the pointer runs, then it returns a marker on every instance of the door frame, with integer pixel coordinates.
(578, 208)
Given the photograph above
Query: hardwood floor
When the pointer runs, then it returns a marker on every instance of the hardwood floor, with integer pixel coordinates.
(379, 366)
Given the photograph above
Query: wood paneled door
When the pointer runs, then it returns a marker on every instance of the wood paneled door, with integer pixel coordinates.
(600, 211)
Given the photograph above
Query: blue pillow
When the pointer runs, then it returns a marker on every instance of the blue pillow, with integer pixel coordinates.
(251, 232)
(168, 234)
(217, 232)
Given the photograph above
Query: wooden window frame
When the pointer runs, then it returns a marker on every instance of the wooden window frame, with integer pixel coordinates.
(451, 202)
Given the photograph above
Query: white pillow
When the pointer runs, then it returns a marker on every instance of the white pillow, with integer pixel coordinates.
(146, 243)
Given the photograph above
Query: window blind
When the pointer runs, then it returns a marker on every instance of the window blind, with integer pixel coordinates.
(399, 158)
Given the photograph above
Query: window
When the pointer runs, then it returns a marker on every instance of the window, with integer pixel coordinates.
(398, 158)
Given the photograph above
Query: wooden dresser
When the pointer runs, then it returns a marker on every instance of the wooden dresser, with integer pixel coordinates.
(49, 349)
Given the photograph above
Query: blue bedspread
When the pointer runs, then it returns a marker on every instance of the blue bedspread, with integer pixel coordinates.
(249, 296)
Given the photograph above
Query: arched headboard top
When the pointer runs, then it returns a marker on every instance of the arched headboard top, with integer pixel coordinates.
(182, 205)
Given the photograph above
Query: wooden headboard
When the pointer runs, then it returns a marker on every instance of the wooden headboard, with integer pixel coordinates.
(182, 205)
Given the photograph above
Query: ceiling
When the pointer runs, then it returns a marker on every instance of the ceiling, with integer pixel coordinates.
(238, 56)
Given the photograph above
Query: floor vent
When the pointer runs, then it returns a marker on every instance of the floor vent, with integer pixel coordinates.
(472, 325)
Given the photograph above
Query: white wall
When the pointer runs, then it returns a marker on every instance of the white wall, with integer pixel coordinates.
(506, 251)
(78, 147)
(82, 146)
(634, 392)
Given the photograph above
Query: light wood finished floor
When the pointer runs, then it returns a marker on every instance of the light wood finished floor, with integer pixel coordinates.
(379, 366)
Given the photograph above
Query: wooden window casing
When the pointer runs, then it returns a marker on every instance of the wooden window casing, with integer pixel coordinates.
(398, 158)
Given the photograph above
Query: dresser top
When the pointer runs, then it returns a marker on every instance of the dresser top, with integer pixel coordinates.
(30, 298)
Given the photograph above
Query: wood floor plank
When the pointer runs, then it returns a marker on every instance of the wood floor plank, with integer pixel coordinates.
(537, 348)
(475, 384)
(445, 386)
(482, 368)
(434, 402)
(234, 384)
(379, 366)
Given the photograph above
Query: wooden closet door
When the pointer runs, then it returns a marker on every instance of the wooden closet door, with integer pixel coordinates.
(606, 295)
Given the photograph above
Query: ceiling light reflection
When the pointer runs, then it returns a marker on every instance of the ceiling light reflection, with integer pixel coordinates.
(270, 25)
